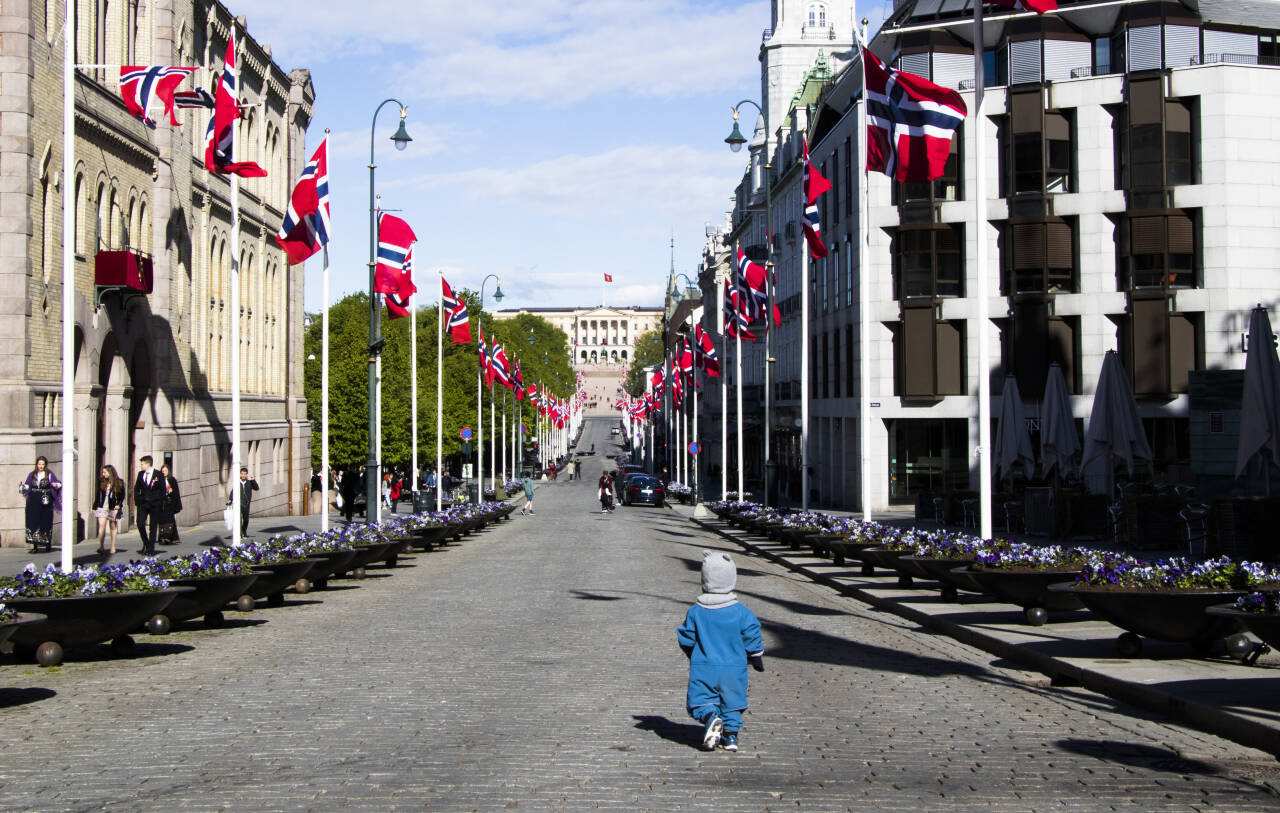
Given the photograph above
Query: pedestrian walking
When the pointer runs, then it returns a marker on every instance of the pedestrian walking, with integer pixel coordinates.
(247, 486)
(108, 505)
(148, 500)
(720, 636)
(347, 493)
(170, 507)
(606, 493)
(317, 495)
(526, 483)
(43, 492)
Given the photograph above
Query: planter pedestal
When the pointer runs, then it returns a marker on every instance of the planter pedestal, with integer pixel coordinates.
(1166, 616)
(77, 621)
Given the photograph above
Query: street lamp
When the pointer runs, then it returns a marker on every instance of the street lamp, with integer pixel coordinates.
(735, 140)
(372, 475)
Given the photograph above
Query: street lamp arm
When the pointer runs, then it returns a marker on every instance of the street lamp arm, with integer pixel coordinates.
(373, 126)
(759, 109)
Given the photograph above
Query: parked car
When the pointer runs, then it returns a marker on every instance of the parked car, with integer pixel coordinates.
(615, 431)
(642, 488)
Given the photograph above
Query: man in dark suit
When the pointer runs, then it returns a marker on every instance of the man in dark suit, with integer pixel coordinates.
(248, 485)
(148, 499)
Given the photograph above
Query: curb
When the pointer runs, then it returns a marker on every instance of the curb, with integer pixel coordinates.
(1229, 725)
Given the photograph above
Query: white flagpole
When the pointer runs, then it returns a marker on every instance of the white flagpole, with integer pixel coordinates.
(864, 297)
(480, 423)
(504, 437)
(493, 445)
(737, 329)
(378, 376)
(234, 180)
(724, 388)
(980, 269)
(804, 371)
(324, 389)
(440, 326)
(413, 387)
(69, 513)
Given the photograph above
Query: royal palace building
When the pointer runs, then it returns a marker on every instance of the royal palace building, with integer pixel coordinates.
(153, 257)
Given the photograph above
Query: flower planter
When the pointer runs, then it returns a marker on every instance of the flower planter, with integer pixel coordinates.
(888, 559)
(1264, 625)
(820, 543)
(941, 570)
(77, 621)
(366, 555)
(1179, 617)
(274, 579)
(850, 549)
(424, 538)
(328, 565)
(209, 594)
(794, 538)
(1029, 589)
(8, 628)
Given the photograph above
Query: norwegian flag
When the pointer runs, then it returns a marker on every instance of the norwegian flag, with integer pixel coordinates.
(306, 223)
(812, 225)
(140, 84)
(532, 393)
(395, 239)
(398, 301)
(220, 138)
(910, 122)
(684, 358)
(455, 310)
(608, 277)
(198, 99)
(623, 403)
(657, 381)
(707, 360)
(736, 319)
(1038, 6)
(500, 366)
(518, 381)
(754, 277)
(814, 184)
(484, 360)
(814, 187)
(677, 392)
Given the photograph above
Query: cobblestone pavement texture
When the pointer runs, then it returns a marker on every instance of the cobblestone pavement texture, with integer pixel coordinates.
(534, 667)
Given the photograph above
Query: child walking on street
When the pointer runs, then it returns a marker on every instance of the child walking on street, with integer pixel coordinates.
(719, 636)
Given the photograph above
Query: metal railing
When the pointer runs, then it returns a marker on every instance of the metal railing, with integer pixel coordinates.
(1235, 59)
(1091, 70)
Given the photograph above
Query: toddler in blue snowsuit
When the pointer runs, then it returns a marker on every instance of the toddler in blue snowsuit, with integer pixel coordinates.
(719, 636)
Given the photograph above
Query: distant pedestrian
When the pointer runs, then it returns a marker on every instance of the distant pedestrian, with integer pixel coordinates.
(43, 493)
(526, 483)
(247, 486)
(347, 488)
(606, 493)
(720, 637)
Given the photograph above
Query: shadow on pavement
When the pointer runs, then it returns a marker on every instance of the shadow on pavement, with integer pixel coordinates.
(10, 698)
(141, 649)
(585, 596)
(195, 624)
(689, 734)
(695, 565)
(1139, 755)
(798, 607)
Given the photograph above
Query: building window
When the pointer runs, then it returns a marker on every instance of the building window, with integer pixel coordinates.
(848, 361)
(928, 354)
(1038, 257)
(1158, 250)
(1156, 141)
(817, 15)
(1031, 340)
(1037, 153)
(1160, 347)
(928, 262)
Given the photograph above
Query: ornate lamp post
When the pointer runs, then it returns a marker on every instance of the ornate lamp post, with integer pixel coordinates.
(372, 475)
(735, 140)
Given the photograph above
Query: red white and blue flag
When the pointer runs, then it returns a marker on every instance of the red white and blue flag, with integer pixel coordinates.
(306, 223)
(518, 381)
(708, 362)
(684, 358)
(755, 279)
(398, 301)
(1038, 6)
(395, 239)
(657, 381)
(141, 84)
(814, 187)
(498, 366)
(198, 99)
(677, 390)
(910, 122)
(455, 312)
(220, 138)
(736, 319)
(483, 349)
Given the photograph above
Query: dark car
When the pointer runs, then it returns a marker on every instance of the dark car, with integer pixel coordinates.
(642, 488)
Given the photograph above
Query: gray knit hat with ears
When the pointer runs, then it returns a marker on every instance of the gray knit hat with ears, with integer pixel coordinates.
(719, 573)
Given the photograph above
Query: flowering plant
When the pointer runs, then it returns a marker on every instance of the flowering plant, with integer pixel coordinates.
(678, 488)
(271, 552)
(211, 562)
(1110, 569)
(489, 494)
(1260, 602)
(512, 486)
(1019, 555)
(7, 613)
(135, 577)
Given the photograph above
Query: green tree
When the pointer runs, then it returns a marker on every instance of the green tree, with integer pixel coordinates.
(648, 352)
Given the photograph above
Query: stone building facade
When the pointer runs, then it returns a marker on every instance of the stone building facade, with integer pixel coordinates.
(152, 371)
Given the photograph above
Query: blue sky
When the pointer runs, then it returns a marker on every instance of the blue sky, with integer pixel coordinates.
(554, 140)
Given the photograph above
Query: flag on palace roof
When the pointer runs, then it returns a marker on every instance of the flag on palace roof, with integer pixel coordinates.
(220, 138)
(306, 222)
(608, 277)
(1038, 6)
(910, 122)
(141, 84)
(454, 311)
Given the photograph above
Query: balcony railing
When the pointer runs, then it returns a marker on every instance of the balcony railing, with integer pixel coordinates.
(817, 32)
(1235, 59)
(1091, 70)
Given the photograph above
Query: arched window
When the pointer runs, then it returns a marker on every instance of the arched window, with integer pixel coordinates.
(144, 227)
(129, 236)
(817, 15)
(78, 232)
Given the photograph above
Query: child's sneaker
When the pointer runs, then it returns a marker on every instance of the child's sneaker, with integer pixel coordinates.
(729, 741)
(712, 735)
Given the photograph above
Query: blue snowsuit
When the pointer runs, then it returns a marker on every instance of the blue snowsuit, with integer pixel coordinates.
(721, 639)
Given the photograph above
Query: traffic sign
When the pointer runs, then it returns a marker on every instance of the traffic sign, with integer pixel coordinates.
(693, 448)
(465, 434)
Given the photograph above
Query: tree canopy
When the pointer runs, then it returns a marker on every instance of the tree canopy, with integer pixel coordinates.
(540, 348)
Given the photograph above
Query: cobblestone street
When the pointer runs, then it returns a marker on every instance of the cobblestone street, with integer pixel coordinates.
(534, 667)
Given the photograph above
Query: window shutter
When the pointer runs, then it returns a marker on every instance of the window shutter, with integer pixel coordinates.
(1181, 45)
(1147, 234)
(1144, 48)
(918, 346)
(1146, 97)
(1150, 323)
(1060, 56)
(1058, 240)
(1024, 62)
(915, 63)
(1181, 236)
(1217, 43)
(949, 69)
(949, 357)
(1028, 246)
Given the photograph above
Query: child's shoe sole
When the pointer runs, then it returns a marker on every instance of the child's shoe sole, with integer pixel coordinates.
(712, 736)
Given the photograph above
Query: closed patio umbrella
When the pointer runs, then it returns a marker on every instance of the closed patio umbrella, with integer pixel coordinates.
(1115, 430)
(1012, 443)
(1058, 440)
(1260, 408)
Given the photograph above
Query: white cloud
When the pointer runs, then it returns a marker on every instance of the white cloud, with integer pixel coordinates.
(677, 181)
(552, 51)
